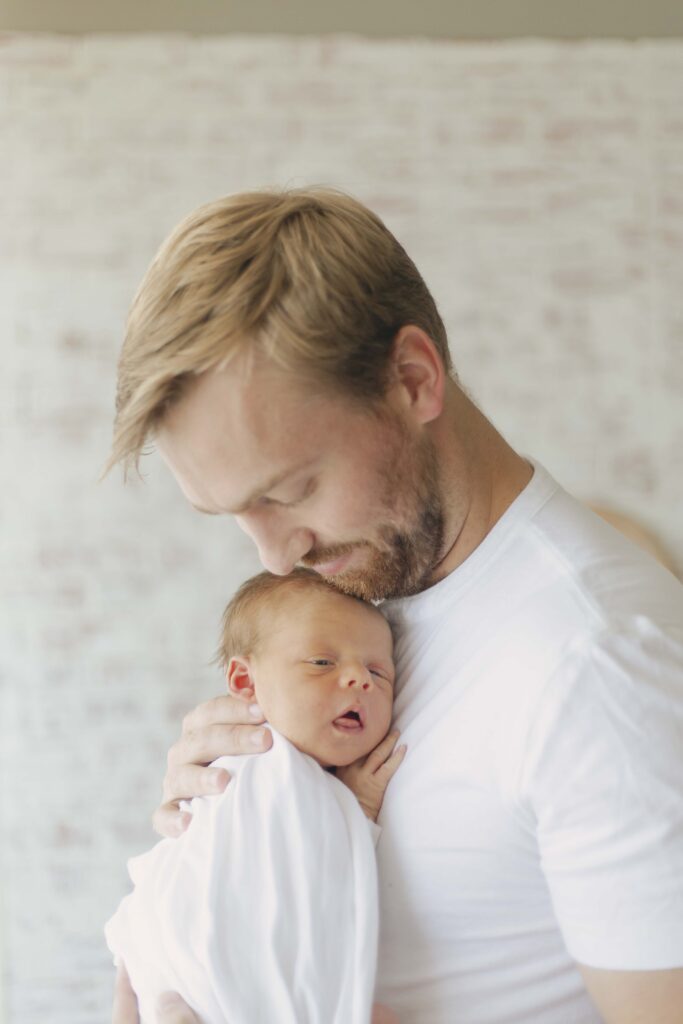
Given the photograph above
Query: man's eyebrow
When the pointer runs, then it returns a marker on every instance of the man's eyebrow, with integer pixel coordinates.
(257, 493)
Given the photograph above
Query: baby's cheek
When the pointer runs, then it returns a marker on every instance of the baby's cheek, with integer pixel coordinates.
(381, 722)
(388, 706)
(310, 719)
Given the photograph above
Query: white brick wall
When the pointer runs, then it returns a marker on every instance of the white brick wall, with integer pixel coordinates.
(539, 187)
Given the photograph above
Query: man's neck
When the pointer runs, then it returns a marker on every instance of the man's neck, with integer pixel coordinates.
(482, 476)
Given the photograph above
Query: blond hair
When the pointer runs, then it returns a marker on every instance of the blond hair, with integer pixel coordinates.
(251, 609)
(310, 277)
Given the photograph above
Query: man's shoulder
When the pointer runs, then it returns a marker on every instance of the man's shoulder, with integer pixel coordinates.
(616, 697)
(614, 580)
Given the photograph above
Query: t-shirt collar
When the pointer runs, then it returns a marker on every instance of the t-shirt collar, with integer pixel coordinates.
(451, 588)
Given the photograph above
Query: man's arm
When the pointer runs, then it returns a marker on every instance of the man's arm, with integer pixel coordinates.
(605, 785)
(636, 997)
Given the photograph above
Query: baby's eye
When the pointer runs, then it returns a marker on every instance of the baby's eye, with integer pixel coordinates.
(380, 673)
(320, 661)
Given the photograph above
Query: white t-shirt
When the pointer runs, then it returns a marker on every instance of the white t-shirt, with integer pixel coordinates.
(537, 819)
(265, 910)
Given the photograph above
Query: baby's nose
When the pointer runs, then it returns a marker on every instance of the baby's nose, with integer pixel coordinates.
(357, 677)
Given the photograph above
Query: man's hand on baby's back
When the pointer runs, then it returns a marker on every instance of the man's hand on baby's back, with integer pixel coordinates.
(369, 777)
(125, 1007)
(223, 725)
(171, 1009)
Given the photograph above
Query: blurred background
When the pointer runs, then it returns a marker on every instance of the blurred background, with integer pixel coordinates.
(530, 158)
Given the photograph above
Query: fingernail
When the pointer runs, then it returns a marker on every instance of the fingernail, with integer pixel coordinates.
(168, 1000)
(255, 711)
(257, 737)
(218, 780)
(183, 820)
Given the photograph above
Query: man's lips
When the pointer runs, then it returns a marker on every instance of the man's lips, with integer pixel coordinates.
(334, 566)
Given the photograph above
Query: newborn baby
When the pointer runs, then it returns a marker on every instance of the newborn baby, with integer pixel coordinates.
(266, 908)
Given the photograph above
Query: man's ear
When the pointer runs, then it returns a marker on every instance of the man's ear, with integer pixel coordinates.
(239, 678)
(418, 372)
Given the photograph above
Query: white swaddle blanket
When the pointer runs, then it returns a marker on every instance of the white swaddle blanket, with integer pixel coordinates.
(265, 910)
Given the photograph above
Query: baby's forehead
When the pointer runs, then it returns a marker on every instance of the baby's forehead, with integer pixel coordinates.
(310, 607)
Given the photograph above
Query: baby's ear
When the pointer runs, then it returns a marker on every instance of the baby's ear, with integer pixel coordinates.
(239, 680)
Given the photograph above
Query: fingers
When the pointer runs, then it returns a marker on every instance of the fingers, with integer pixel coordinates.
(390, 766)
(187, 775)
(125, 1008)
(223, 710)
(214, 728)
(171, 1009)
(186, 779)
(189, 780)
(220, 726)
(169, 821)
(204, 745)
(377, 757)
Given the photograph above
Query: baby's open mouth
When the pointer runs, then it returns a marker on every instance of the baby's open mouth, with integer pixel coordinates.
(350, 721)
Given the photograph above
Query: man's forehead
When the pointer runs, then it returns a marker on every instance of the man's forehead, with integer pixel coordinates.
(243, 384)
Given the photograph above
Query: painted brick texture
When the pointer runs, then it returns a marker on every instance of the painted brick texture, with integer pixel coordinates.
(538, 186)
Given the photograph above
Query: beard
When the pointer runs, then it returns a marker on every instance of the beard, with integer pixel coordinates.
(410, 540)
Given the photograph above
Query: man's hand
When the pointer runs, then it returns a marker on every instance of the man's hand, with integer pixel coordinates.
(383, 1015)
(369, 777)
(171, 1009)
(220, 726)
(125, 1008)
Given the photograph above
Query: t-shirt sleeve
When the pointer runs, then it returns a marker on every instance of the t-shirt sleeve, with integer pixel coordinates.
(603, 783)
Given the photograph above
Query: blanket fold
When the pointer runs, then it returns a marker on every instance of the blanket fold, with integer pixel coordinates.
(265, 910)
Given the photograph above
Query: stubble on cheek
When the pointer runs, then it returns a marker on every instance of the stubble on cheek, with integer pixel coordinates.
(410, 540)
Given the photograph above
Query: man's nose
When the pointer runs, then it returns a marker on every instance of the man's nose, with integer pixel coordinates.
(355, 677)
(279, 550)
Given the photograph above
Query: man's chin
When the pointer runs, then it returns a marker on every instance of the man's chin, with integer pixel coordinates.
(372, 584)
(356, 584)
(351, 574)
(375, 573)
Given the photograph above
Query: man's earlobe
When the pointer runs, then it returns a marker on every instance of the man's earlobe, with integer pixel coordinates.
(239, 680)
(420, 372)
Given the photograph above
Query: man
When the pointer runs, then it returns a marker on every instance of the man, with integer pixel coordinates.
(293, 370)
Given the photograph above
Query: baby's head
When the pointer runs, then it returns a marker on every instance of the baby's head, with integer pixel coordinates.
(318, 662)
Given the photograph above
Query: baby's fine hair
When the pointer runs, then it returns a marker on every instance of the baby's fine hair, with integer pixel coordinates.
(243, 619)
